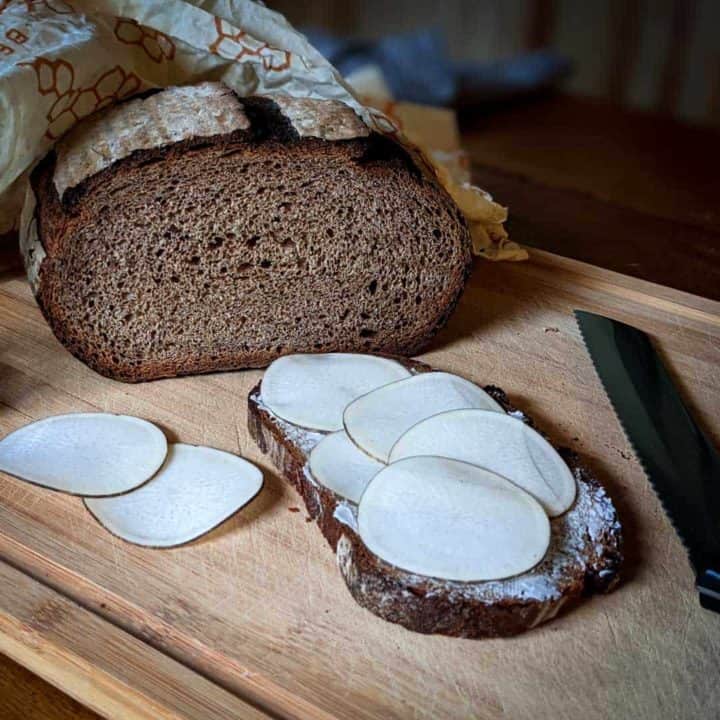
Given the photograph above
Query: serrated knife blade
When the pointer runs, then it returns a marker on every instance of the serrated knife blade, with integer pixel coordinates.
(677, 457)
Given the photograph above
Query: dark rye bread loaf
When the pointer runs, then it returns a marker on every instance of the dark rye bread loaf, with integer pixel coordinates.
(584, 556)
(220, 251)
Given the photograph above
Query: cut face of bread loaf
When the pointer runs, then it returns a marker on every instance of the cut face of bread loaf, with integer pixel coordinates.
(583, 558)
(191, 232)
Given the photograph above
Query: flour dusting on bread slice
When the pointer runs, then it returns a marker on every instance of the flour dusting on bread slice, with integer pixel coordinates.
(583, 557)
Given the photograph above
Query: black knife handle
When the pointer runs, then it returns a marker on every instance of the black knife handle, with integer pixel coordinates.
(708, 584)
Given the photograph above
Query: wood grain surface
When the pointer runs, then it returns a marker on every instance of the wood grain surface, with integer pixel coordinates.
(112, 673)
(259, 607)
(25, 696)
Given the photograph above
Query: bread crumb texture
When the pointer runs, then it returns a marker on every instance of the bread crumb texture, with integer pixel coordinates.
(226, 252)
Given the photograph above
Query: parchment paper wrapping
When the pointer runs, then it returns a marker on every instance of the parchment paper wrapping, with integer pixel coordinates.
(61, 60)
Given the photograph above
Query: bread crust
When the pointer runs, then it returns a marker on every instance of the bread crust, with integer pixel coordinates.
(584, 558)
(110, 352)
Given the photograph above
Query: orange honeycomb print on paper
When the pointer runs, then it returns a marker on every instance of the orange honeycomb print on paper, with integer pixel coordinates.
(239, 45)
(59, 6)
(57, 78)
(157, 46)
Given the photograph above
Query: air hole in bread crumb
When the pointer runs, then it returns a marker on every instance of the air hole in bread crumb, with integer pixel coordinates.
(174, 278)
(253, 241)
(234, 151)
(330, 232)
(265, 263)
(242, 267)
(216, 242)
(437, 233)
(372, 287)
(364, 316)
(194, 260)
(367, 333)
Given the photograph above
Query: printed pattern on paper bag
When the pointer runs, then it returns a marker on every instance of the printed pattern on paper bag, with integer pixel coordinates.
(157, 46)
(61, 7)
(57, 77)
(239, 45)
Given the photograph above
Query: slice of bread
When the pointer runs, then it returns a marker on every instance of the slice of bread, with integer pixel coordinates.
(190, 231)
(584, 555)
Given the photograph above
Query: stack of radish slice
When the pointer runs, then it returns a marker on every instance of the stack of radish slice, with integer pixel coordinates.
(135, 484)
(446, 483)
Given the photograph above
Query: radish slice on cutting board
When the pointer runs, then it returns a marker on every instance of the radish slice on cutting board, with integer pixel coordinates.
(91, 454)
(196, 489)
(338, 464)
(313, 390)
(497, 442)
(376, 421)
(451, 520)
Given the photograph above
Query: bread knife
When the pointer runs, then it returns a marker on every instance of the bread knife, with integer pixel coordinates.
(677, 457)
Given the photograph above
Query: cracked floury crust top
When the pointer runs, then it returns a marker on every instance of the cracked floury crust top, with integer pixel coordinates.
(181, 113)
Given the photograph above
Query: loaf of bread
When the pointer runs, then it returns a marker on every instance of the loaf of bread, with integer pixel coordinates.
(583, 558)
(191, 231)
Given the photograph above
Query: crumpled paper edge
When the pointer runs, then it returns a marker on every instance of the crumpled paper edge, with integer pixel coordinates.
(185, 21)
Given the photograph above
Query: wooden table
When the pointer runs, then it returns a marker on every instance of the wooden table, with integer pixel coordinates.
(633, 193)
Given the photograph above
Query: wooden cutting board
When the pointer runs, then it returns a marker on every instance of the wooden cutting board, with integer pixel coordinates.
(257, 610)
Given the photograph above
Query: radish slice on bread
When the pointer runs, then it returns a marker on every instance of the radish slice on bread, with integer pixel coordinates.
(496, 442)
(451, 520)
(376, 421)
(312, 391)
(339, 465)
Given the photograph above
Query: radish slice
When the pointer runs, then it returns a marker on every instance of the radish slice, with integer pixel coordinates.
(338, 464)
(313, 390)
(196, 489)
(451, 520)
(500, 443)
(92, 454)
(377, 420)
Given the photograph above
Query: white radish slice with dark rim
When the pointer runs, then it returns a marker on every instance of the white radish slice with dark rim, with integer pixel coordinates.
(500, 443)
(90, 454)
(452, 520)
(338, 464)
(376, 421)
(197, 489)
(313, 390)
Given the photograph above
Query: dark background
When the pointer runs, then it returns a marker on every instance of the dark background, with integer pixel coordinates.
(660, 55)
